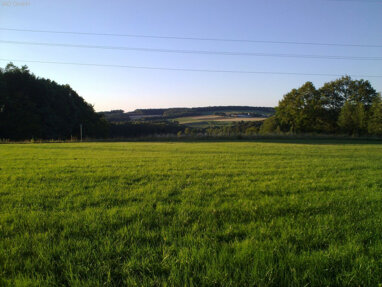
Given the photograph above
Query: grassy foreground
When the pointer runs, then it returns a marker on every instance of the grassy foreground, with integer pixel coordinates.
(191, 214)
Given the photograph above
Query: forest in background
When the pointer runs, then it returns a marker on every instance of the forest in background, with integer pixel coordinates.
(343, 106)
(32, 107)
(38, 108)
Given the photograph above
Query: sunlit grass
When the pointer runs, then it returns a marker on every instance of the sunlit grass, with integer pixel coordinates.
(201, 214)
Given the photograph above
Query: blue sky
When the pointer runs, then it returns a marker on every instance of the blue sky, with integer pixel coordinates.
(327, 21)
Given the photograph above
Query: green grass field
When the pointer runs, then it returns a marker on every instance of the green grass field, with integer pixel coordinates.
(191, 214)
(206, 121)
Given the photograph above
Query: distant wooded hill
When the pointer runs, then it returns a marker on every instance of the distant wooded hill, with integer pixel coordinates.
(121, 116)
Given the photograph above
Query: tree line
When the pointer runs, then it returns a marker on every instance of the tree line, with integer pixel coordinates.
(343, 106)
(33, 107)
(37, 108)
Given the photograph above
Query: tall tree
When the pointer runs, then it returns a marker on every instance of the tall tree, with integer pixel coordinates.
(32, 107)
(341, 105)
(375, 118)
(334, 94)
(301, 110)
(352, 118)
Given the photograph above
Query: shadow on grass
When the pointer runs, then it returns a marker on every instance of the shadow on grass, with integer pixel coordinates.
(282, 139)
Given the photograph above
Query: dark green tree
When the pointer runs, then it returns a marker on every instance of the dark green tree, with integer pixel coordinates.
(342, 105)
(352, 118)
(334, 94)
(32, 107)
(270, 125)
(301, 110)
(375, 118)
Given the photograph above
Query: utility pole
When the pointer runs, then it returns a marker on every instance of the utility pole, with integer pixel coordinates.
(81, 132)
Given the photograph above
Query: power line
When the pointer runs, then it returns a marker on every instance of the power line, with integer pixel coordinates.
(202, 52)
(196, 38)
(188, 70)
(362, 1)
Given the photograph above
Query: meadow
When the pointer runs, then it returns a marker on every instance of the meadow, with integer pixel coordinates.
(213, 120)
(299, 213)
